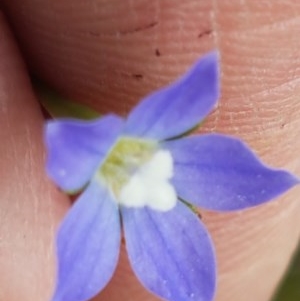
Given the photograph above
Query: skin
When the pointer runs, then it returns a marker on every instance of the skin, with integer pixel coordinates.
(108, 54)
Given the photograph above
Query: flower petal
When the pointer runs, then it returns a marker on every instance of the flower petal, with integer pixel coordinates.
(88, 245)
(221, 173)
(76, 148)
(179, 107)
(171, 252)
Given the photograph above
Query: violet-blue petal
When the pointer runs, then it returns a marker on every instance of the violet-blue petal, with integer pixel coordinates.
(88, 245)
(221, 173)
(179, 107)
(171, 253)
(76, 148)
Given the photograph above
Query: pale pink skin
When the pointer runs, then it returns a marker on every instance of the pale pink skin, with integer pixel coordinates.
(73, 45)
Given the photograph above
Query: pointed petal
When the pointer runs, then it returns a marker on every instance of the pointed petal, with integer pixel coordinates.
(171, 252)
(179, 107)
(221, 173)
(76, 148)
(88, 245)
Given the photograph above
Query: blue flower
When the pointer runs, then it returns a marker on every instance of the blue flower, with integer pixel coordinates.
(140, 173)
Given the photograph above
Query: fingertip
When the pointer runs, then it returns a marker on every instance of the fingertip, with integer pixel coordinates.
(30, 207)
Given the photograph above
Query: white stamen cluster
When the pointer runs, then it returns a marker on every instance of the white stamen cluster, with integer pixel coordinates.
(150, 184)
(138, 174)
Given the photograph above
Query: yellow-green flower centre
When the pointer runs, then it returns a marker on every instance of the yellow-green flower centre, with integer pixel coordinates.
(138, 174)
(126, 156)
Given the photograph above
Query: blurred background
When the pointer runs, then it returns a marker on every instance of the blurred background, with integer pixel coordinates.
(289, 290)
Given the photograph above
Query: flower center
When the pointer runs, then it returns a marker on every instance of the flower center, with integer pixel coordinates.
(138, 174)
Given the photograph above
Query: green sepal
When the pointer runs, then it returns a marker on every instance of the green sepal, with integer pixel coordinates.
(188, 132)
(193, 208)
(59, 107)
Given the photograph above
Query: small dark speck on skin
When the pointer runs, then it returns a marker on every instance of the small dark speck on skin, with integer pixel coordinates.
(204, 33)
(157, 52)
(94, 33)
(137, 76)
(140, 28)
(125, 32)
